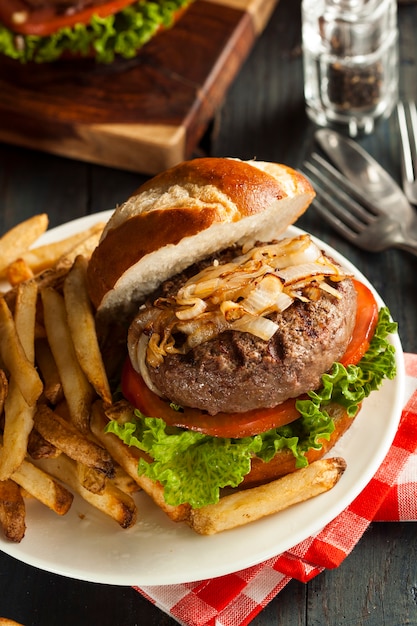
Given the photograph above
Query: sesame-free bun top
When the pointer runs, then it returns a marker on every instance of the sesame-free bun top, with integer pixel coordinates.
(185, 214)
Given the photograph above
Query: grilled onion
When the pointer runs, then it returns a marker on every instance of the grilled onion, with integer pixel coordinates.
(239, 295)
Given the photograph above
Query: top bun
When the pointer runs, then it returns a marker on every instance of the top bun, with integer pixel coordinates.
(184, 214)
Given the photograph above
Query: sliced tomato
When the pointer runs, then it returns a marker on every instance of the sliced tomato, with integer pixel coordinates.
(236, 425)
(46, 20)
(220, 425)
(366, 321)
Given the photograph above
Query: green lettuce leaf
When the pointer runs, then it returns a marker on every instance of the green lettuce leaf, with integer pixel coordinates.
(179, 454)
(121, 35)
(193, 467)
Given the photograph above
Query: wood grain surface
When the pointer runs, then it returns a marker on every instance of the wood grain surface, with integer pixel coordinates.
(144, 114)
(262, 116)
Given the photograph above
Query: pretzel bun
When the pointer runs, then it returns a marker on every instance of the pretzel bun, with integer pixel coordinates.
(185, 214)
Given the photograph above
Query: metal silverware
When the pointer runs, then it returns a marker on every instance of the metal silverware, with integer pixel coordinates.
(365, 173)
(372, 216)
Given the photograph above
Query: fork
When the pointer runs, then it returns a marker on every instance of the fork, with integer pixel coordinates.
(407, 122)
(367, 224)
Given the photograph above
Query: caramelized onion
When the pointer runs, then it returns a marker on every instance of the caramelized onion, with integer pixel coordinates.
(259, 326)
(197, 307)
(239, 295)
(263, 298)
(139, 362)
(304, 272)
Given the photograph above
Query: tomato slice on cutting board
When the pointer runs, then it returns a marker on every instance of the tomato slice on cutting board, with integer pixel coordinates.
(237, 425)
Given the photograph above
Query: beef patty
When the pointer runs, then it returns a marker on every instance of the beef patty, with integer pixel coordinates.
(237, 371)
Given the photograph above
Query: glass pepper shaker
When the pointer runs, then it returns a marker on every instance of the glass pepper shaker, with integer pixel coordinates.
(350, 51)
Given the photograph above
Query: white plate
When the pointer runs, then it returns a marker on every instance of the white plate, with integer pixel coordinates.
(86, 545)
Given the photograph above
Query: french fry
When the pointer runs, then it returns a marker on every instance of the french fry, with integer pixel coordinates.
(52, 385)
(83, 331)
(120, 411)
(123, 481)
(18, 423)
(84, 248)
(67, 438)
(18, 239)
(18, 414)
(18, 271)
(14, 357)
(113, 502)
(43, 487)
(127, 458)
(4, 388)
(77, 389)
(39, 448)
(249, 505)
(12, 511)
(62, 409)
(25, 317)
(49, 278)
(90, 478)
(48, 255)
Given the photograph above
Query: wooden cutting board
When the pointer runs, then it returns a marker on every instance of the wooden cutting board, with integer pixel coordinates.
(142, 115)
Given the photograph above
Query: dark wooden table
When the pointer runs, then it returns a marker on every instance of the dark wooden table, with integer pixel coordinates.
(262, 116)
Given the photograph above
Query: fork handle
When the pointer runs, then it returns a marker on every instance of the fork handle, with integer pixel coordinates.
(410, 245)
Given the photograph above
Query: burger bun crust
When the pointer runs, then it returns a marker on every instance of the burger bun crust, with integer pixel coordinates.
(185, 214)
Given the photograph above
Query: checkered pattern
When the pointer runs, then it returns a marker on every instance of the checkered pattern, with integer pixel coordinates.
(232, 600)
(235, 599)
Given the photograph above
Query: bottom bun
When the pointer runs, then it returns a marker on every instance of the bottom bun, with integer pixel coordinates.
(284, 461)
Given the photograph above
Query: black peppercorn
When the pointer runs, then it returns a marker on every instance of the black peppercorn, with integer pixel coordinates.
(355, 87)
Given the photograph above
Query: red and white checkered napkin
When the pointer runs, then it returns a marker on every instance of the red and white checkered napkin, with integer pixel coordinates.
(235, 599)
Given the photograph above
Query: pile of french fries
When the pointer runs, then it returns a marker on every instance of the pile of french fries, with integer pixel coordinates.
(55, 401)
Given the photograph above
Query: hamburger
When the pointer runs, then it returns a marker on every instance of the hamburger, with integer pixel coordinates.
(47, 30)
(249, 353)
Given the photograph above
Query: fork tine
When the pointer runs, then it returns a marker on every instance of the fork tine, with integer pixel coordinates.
(329, 216)
(356, 219)
(341, 214)
(335, 201)
(339, 185)
(342, 203)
